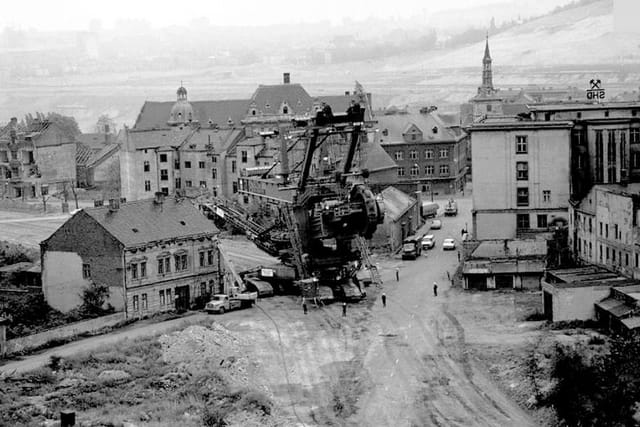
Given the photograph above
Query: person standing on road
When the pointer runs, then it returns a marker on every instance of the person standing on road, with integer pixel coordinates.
(397, 274)
(304, 305)
(344, 309)
(384, 299)
(435, 289)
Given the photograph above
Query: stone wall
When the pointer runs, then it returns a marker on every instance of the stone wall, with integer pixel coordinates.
(22, 344)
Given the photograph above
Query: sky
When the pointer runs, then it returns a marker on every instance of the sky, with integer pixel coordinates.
(76, 15)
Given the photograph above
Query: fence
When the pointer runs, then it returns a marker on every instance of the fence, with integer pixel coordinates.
(30, 342)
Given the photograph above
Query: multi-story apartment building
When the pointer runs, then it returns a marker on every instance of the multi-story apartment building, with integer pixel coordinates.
(152, 254)
(605, 228)
(521, 176)
(37, 161)
(431, 156)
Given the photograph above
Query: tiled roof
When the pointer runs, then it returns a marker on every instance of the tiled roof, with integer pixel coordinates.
(396, 203)
(374, 157)
(106, 152)
(143, 221)
(154, 115)
(83, 154)
(140, 140)
(267, 99)
(245, 255)
(220, 139)
(397, 124)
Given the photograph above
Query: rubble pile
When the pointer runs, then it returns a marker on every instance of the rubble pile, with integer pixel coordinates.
(197, 347)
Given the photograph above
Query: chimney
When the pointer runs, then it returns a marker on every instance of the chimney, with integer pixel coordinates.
(98, 203)
(159, 198)
(114, 205)
(286, 78)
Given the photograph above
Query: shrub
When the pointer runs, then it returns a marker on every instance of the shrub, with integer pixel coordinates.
(253, 400)
(40, 376)
(55, 362)
(213, 416)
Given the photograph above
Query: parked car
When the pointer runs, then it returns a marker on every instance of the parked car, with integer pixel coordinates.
(436, 224)
(428, 241)
(448, 244)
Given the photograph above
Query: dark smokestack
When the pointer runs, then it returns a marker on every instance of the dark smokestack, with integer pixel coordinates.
(286, 78)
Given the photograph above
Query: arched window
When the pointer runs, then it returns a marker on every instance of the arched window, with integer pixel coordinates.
(285, 110)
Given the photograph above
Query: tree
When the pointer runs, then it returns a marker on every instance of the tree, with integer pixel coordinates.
(67, 124)
(93, 298)
(106, 125)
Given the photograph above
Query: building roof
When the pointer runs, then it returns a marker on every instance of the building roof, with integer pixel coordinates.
(142, 221)
(615, 307)
(28, 267)
(83, 154)
(631, 189)
(586, 276)
(396, 203)
(512, 123)
(581, 105)
(154, 115)
(374, 157)
(395, 125)
(268, 99)
(505, 249)
(106, 152)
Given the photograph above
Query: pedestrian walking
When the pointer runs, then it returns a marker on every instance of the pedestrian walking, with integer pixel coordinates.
(458, 256)
(344, 309)
(397, 274)
(384, 299)
(304, 305)
(435, 289)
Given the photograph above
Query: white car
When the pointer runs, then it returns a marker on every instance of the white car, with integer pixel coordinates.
(436, 224)
(448, 244)
(428, 241)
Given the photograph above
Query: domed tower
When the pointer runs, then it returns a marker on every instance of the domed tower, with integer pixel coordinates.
(182, 112)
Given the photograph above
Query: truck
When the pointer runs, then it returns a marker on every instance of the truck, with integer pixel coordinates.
(223, 302)
(451, 208)
(429, 209)
(411, 247)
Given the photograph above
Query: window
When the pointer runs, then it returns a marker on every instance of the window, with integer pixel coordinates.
(147, 166)
(428, 154)
(590, 226)
(243, 156)
(136, 307)
(201, 258)
(626, 260)
(181, 262)
(233, 166)
(444, 169)
(401, 171)
(214, 159)
(600, 228)
(188, 183)
(163, 158)
(413, 155)
(521, 144)
(285, 110)
(214, 173)
(611, 155)
(600, 250)
(428, 170)
(606, 231)
(134, 271)
(599, 156)
(542, 221)
(44, 190)
(210, 257)
(634, 135)
(413, 137)
(201, 165)
(145, 306)
(489, 108)
(444, 153)
(203, 288)
(546, 196)
(178, 182)
(147, 186)
(615, 231)
(176, 164)
(522, 221)
(522, 171)
(399, 155)
(143, 269)
(415, 170)
(635, 160)
(187, 165)
(637, 260)
(164, 265)
(523, 197)
(164, 175)
(169, 299)
(165, 190)
(86, 271)
(162, 300)
(234, 187)
(203, 184)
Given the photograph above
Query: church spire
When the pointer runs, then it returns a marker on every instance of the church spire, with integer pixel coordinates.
(487, 74)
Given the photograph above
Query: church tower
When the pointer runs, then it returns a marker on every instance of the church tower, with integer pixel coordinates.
(487, 75)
